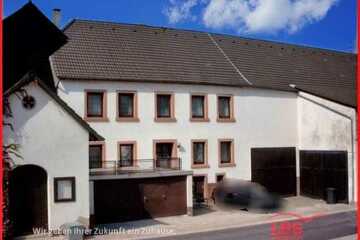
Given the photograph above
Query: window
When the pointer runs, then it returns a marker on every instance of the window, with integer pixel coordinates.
(127, 106)
(199, 153)
(164, 107)
(96, 154)
(225, 109)
(226, 152)
(127, 154)
(64, 189)
(95, 107)
(198, 108)
(165, 154)
(95, 104)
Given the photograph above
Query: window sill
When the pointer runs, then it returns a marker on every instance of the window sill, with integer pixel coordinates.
(131, 167)
(199, 120)
(221, 165)
(196, 166)
(226, 120)
(165, 119)
(96, 119)
(127, 119)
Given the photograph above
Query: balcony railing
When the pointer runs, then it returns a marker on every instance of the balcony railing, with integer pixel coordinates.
(136, 165)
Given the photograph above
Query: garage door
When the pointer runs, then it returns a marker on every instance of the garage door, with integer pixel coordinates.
(133, 199)
(275, 169)
(322, 169)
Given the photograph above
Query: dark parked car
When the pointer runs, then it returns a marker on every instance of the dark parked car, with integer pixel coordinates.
(245, 195)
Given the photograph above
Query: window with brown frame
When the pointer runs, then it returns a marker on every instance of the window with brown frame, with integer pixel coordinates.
(127, 106)
(64, 189)
(226, 153)
(225, 109)
(96, 155)
(127, 154)
(198, 108)
(164, 107)
(95, 105)
(199, 153)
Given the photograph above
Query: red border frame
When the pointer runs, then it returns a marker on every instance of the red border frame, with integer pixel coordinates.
(358, 120)
(1, 119)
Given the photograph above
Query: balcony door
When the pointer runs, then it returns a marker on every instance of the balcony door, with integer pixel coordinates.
(165, 154)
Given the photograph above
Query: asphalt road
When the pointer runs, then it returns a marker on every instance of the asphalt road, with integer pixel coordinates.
(325, 227)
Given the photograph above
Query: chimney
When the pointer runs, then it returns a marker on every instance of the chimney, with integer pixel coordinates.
(56, 16)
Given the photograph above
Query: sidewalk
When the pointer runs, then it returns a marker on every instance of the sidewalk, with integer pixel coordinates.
(210, 220)
(350, 237)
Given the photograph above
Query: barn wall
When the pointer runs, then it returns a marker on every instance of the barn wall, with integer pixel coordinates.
(325, 125)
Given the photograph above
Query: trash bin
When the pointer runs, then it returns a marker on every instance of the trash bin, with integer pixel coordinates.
(73, 231)
(330, 195)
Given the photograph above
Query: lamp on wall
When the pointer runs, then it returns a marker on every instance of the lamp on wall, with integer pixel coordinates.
(180, 147)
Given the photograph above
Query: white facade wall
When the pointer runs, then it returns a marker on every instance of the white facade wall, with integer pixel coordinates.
(325, 125)
(264, 118)
(50, 138)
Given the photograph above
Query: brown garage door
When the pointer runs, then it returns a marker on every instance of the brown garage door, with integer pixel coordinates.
(322, 169)
(133, 199)
(275, 169)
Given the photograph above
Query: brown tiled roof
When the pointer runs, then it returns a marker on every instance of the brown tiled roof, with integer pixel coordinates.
(129, 52)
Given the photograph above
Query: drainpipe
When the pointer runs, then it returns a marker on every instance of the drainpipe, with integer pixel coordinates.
(352, 128)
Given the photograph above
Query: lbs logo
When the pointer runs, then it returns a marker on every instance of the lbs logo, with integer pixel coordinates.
(291, 229)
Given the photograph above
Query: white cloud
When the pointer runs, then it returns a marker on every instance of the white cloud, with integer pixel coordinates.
(223, 13)
(265, 15)
(180, 10)
(252, 16)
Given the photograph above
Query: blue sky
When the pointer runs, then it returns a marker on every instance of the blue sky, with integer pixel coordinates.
(320, 23)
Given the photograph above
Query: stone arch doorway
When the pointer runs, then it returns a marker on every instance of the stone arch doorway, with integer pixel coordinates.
(28, 199)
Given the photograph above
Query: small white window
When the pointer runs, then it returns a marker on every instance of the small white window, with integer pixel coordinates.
(64, 189)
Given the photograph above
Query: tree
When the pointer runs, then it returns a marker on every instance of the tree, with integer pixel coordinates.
(9, 150)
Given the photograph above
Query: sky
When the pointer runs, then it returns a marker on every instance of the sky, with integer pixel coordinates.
(329, 24)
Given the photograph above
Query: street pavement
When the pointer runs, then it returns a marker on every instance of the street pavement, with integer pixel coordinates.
(340, 225)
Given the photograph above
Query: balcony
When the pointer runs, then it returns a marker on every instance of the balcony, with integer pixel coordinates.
(117, 167)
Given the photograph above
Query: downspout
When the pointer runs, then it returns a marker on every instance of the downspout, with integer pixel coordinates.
(55, 78)
(352, 135)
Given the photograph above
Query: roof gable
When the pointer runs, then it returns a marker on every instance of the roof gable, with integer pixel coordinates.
(30, 77)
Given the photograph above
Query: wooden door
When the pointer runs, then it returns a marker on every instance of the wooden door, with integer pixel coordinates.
(165, 196)
(28, 199)
(199, 189)
(164, 154)
(133, 199)
(117, 201)
(323, 169)
(275, 169)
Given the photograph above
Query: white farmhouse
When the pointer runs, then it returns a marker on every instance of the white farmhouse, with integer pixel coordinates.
(216, 105)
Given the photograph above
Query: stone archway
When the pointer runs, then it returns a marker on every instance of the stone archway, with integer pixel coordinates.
(28, 199)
